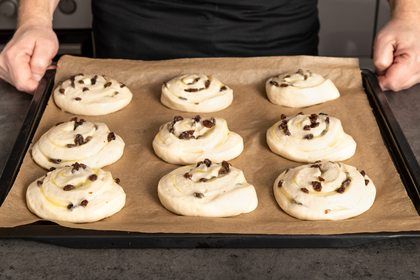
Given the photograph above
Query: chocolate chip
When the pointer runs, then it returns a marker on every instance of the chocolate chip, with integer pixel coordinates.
(178, 118)
(77, 98)
(284, 85)
(296, 202)
(207, 162)
(191, 90)
(314, 124)
(85, 89)
(280, 184)
(196, 103)
(316, 186)
(197, 118)
(343, 186)
(327, 120)
(203, 180)
(72, 81)
(223, 88)
(207, 83)
(70, 206)
(198, 195)
(71, 145)
(340, 189)
(61, 90)
(108, 84)
(305, 77)
(84, 203)
(225, 168)
(187, 175)
(315, 165)
(323, 114)
(39, 183)
(306, 127)
(54, 160)
(305, 190)
(77, 122)
(366, 182)
(208, 123)
(117, 180)
(51, 169)
(308, 136)
(111, 136)
(321, 179)
(68, 188)
(93, 80)
(313, 117)
(283, 116)
(93, 177)
(194, 81)
(274, 83)
(78, 140)
(186, 135)
(182, 98)
(287, 76)
(81, 82)
(363, 173)
(300, 72)
(326, 211)
(122, 85)
(76, 166)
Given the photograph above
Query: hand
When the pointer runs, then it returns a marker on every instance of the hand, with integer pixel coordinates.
(397, 54)
(27, 56)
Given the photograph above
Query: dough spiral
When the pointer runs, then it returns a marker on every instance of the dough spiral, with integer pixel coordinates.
(324, 191)
(208, 190)
(91, 95)
(76, 194)
(189, 140)
(196, 93)
(308, 138)
(78, 141)
(300, 89)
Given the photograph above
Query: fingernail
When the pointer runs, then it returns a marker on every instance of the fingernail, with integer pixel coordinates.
(37, 77)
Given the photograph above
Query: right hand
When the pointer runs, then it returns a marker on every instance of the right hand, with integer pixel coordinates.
(27, 56)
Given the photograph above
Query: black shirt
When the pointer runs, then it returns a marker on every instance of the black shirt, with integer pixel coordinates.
(164, 29)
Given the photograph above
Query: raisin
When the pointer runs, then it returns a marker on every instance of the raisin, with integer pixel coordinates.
(68, 188)
(84, 203)
(316, 186)
(93, 177)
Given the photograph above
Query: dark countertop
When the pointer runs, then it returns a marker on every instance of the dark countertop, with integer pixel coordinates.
(390, 259)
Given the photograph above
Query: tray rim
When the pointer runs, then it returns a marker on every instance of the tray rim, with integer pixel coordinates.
(48, 232)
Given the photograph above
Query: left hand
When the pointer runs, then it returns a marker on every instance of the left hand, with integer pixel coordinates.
(397, 54)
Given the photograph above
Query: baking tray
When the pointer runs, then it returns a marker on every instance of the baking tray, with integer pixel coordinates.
(48, 232)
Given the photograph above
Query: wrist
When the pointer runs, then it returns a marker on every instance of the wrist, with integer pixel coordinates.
(36, 22)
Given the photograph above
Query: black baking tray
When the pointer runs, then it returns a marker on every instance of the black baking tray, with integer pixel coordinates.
(48, 232)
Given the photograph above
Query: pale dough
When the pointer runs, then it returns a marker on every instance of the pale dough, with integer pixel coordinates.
(91, 95)
(76, 194)
(189, 140)
(78, 141)
(308, 138)
(196, 93)
(300, 89)
(207, 190)
(324, 191)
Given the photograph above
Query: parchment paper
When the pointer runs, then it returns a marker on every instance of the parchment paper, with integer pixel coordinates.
(250, 115)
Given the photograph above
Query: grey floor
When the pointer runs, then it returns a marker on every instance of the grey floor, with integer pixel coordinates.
(392, 259)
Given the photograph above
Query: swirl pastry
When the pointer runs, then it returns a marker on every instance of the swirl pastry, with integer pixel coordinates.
(78, 141)
(324, 191)
(76, 194)
(300, 89)
(186, 141)
(91, 95)
(208, 190)
(308, 138)
(196, 93)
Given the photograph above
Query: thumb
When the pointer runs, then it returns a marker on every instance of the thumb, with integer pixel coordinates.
(383, 54)
(40, 60)
(398, 75)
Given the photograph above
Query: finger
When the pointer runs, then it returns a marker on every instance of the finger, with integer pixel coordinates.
(41, 59)
(21, 73)
(383, 54)
(399, 75)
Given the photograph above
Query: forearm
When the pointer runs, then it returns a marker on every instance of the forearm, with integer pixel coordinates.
(37, 12)
(405, 9)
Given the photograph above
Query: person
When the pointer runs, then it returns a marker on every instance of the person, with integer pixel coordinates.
(153, 29)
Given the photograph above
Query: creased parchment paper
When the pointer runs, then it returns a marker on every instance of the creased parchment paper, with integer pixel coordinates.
(249, 115)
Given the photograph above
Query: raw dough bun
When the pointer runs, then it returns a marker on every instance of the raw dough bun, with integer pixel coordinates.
(78, 141)
(91, 95)
(324, 191)
(76, 194)
(308, 138)
(208, 190)
(300, 89)
(196, 93)
(187, 141)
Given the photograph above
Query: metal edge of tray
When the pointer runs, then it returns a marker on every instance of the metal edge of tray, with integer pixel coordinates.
(51, 233)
